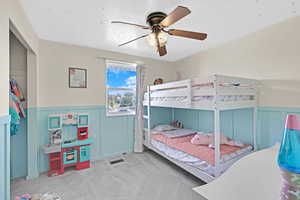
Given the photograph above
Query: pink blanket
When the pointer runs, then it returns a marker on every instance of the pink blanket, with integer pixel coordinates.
(172, 141)
(203, 152)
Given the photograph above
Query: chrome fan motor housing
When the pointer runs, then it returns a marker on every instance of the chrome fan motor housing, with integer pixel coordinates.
(153, 19)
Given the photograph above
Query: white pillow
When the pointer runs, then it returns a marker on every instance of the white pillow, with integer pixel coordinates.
(163, 127)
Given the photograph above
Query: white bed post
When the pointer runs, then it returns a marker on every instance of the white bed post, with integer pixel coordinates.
(217, 142)
(189, 95)
(149, 116)
(217, 129)
(254, 128)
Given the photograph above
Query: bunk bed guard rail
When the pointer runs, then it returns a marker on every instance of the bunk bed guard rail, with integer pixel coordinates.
(179, 89)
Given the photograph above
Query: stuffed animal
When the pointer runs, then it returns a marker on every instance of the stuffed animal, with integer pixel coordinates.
(158, 81)
(201, 139)
(208, 139)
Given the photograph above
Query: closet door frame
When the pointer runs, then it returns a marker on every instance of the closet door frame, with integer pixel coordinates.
(32, 108)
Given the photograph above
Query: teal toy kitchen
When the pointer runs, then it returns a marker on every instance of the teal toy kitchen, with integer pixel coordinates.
(69, 145)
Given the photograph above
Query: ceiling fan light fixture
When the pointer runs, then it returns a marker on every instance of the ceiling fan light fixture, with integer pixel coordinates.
(157, 22)
(162, 38)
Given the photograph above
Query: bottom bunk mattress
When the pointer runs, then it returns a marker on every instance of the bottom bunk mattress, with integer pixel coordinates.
(199, 156)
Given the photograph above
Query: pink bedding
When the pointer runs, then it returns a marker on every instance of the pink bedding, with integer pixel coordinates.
(172, 141)
(203, 152)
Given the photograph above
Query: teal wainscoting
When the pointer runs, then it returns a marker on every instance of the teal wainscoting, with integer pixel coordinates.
(159, 115)
(4, 157)
(111, 135)
(115, 135)
(33, 145)
(24, 147)
(271, 121)
(18, 151)
(236, 124)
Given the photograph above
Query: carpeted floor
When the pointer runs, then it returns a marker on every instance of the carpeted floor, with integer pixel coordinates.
(144, 176)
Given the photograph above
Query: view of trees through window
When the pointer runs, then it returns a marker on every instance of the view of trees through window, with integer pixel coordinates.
(121, 88)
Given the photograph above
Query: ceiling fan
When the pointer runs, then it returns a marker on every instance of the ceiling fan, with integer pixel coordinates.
(157, 22)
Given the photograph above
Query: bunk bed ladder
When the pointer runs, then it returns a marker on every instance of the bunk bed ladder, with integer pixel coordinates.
(189, 93)
(147, 117)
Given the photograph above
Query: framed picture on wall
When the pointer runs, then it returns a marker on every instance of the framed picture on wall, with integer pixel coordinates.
(77, 78)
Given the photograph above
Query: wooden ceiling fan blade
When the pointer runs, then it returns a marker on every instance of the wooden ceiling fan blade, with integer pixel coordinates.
(162, 50)
(133, 40)
(175, 16)
(132, 24)
(188, 34)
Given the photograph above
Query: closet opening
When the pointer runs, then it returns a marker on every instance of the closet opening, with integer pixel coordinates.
(18, 107)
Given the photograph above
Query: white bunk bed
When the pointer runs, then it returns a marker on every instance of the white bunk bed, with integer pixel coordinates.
(216, 93)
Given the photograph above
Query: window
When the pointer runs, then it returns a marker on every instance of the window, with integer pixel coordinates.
(121, 88)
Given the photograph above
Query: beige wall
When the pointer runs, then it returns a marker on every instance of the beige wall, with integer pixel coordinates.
(56, 58)
(11, 11)
(4, 58)
(271, 55)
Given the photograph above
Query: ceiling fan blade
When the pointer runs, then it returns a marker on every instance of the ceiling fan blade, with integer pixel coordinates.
(162, 51)
(133, 40)
(127, 23)
(174, 16)
(188, 34)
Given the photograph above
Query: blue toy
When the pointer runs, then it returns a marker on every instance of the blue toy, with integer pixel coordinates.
(289, 154)
(289, 159)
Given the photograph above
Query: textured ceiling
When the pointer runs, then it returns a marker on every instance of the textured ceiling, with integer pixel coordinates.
(87, 23)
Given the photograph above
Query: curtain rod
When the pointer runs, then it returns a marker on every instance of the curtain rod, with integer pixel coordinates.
(118, 60)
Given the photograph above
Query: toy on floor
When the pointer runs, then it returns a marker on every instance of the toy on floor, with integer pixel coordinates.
(50, 196)
(47, 196)
(289, 159)
(68, 147)
(24, 197)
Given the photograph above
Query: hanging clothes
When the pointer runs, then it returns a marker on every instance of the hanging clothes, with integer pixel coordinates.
(16, 109)
(15, 122)
(16, 89)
